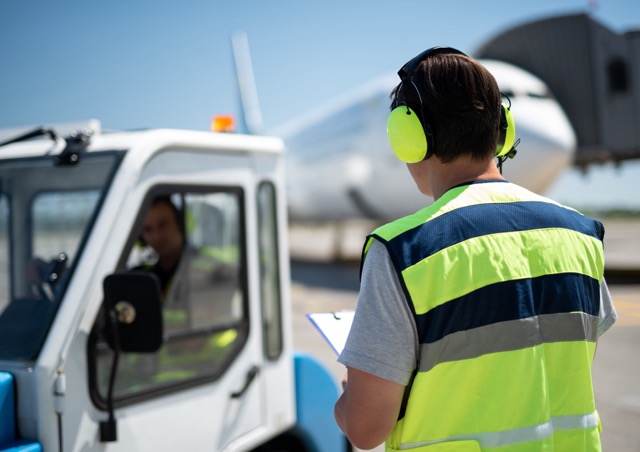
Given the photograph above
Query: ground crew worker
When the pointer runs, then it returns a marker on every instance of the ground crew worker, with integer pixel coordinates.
(163, 231)
(187, 275)
(477, 316)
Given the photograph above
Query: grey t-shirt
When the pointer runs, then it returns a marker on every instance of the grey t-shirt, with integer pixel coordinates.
(383, 340)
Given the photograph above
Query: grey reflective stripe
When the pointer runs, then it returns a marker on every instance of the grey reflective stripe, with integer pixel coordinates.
(520, 435)
(507, 336)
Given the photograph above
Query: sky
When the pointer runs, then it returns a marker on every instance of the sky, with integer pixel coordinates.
(146, 64)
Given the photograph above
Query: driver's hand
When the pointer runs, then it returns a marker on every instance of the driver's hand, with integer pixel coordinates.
(36, 269)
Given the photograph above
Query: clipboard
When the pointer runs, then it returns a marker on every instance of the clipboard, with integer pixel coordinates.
(333, 326)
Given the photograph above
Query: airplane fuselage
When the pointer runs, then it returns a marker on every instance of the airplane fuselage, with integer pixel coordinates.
(340, 165)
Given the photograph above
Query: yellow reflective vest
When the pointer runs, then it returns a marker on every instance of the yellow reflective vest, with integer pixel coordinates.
(504, 286)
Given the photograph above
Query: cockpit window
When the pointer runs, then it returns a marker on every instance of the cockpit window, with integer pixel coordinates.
(539, 95)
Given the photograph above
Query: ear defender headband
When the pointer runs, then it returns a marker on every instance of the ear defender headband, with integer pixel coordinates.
(409, 137)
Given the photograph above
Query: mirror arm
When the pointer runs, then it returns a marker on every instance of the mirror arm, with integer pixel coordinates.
(108, 428)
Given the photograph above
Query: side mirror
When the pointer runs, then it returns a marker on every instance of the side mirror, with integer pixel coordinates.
(134, 324)
(133, 300)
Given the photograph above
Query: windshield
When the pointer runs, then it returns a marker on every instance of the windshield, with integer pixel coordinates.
(46, 212)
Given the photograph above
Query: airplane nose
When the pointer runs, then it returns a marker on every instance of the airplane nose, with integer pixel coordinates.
(545, 128)
(547, 147)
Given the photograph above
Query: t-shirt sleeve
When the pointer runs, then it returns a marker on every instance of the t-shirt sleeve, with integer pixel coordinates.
(383, 338)
(608, 314)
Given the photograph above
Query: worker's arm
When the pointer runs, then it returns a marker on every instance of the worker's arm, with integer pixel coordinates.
(368, 408)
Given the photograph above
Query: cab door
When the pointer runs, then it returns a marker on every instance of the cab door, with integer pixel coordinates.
(202, 388)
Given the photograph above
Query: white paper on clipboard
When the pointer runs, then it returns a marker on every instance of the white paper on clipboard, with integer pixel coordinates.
(333, 326)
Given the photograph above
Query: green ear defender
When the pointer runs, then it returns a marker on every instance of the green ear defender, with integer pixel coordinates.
(409, 142)
(507, 134)
(406, 135)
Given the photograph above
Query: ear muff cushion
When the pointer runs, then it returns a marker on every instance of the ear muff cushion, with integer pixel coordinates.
(406, 135)
(509, 134)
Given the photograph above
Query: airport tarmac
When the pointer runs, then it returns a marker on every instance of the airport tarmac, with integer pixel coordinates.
(321, 284)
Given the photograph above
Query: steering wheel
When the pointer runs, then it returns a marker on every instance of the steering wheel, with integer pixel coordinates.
(46, 275)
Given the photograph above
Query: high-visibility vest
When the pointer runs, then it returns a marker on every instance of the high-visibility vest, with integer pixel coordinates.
(504, 286)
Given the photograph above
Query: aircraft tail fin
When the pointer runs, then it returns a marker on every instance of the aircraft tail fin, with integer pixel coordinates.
(250, 107)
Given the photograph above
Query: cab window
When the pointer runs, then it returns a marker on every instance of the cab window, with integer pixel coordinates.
(193, 243)
(4, 252)
(269, 270)
(60, 219)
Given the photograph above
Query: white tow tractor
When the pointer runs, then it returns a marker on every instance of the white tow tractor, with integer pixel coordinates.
(92, 356)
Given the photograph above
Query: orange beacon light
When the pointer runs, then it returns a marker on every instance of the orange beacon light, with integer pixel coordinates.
(222, 123)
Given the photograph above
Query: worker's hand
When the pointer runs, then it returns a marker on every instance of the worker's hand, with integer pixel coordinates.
(36, 268)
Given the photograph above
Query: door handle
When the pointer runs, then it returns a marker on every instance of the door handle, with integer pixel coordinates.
(251, 375)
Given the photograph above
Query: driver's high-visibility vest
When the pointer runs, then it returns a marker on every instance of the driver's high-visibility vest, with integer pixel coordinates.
(505, 290)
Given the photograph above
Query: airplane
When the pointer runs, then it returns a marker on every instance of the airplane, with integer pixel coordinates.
(340, 165)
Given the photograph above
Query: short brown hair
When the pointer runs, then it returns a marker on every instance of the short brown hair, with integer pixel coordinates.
(460, 109)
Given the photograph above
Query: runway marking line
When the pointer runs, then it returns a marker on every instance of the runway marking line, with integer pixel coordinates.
(628, 312)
